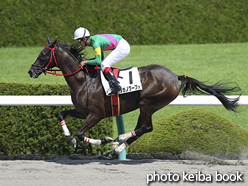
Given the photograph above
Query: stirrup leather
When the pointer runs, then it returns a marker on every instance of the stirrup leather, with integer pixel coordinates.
(114, 85)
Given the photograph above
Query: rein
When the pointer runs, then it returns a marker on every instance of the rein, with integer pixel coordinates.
(53, 72)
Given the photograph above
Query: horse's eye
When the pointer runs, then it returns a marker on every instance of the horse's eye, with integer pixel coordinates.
(43, 55)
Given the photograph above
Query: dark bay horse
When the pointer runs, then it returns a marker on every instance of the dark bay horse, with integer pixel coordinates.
(160, 87)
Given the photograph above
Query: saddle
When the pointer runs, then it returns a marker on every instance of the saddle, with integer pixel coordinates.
(128, 78)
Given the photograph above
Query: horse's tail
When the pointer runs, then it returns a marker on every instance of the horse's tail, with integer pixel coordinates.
(193, 86)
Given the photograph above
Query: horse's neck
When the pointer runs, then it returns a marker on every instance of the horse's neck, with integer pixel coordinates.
(68, 64)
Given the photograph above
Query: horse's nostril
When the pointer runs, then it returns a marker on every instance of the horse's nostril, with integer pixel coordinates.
(30, 73)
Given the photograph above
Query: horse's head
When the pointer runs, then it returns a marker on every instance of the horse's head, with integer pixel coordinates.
(45, 60)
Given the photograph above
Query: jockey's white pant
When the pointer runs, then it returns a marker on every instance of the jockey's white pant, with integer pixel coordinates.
(121, 51)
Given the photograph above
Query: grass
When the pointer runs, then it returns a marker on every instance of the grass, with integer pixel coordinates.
(205, 62)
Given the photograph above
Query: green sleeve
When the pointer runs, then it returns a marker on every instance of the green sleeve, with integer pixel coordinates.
(97, 60)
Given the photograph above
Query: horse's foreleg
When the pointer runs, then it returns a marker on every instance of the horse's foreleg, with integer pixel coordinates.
(89, 122)
(97, 142)
(62, 116)
(67, 133)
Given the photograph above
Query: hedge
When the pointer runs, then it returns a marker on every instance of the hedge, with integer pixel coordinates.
(28, 22)
(195, 130)
(36, 129)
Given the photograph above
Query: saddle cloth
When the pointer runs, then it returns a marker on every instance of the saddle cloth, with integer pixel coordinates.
(129, 80)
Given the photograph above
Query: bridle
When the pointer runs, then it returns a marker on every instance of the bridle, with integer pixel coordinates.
(46, 69)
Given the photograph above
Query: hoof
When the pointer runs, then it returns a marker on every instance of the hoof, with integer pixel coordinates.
(106, 140)
(73, 143)
(109, 156)
(114, 145)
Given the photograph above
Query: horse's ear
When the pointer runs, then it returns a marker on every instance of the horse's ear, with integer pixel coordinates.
(55, 41)
(49, 40)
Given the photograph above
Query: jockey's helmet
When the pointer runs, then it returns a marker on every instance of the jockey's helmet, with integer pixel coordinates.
(81, 32)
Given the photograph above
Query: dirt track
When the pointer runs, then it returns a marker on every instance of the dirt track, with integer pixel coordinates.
(65, 172)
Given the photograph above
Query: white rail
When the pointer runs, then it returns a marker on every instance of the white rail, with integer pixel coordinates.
(66, 101)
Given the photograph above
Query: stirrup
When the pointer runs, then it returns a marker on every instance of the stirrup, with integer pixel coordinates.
(114, 90)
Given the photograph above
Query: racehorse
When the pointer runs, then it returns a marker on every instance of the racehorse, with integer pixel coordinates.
(160, 86)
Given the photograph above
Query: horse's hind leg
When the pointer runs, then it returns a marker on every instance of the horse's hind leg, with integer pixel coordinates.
(144, 125)
(123, 137)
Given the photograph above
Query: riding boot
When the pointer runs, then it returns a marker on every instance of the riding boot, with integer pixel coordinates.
(114, 85)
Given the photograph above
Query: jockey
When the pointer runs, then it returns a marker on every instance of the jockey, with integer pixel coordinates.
(100, 43)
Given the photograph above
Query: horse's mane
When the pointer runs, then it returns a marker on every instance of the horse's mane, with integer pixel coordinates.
(76, 50)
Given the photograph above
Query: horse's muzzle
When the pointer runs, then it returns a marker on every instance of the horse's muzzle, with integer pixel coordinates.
(33, 74)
